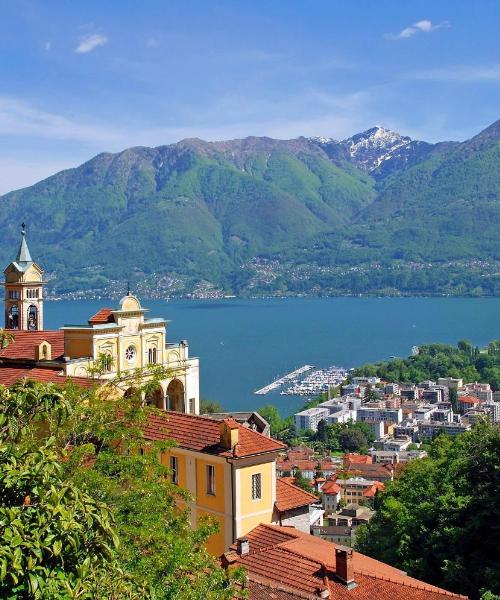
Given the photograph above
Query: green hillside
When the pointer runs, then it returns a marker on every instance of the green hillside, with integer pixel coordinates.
(268, 216)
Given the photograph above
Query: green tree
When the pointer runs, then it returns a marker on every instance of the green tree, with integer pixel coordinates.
(210, 406)
(57, 541)
(352, 440)
(272, 416)
(83, 513)
(322, 432)
(436, 521)
(301, 481)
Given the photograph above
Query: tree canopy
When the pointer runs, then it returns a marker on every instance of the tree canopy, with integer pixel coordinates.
(439, 520)
(83, 513)
(442, 360)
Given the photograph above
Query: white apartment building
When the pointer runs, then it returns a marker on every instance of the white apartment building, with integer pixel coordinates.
(309, 418)
(392, 415)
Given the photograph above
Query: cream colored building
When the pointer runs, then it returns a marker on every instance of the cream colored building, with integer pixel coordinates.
(124, 343)
(118, 344)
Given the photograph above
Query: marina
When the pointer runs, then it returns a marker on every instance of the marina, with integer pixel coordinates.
(285, 379)
(317, 381)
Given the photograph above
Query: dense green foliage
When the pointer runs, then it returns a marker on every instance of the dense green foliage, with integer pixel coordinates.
(176, 216)
(442, 360)
(439, 520)
(83, 513)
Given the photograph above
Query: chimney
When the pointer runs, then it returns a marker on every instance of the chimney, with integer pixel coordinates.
(344, 568)
(229, 434)
(242, 546)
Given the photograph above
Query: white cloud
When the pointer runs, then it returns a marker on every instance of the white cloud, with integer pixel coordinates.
(91, 42)
(47, 45)
(152, 42)
(423, 26)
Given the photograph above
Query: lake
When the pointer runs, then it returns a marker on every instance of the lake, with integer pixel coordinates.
(245, 344)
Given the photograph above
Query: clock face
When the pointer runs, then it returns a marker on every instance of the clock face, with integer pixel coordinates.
(130, 354)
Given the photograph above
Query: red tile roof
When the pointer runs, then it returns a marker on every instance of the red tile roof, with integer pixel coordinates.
(372, 490)
(331, 487)
(300, 565)
(469, 400)
(306, 465)
(357, 459)
(105, 315)
(290, 496)
(25, 342)
(9, 375)
(202, 434)
(378, 471)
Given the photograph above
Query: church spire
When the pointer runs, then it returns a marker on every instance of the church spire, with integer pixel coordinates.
(23, 254)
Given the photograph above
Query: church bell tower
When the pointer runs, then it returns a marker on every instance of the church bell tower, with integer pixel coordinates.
(24, 291)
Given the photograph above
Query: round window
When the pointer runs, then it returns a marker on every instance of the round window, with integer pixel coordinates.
(130, 353)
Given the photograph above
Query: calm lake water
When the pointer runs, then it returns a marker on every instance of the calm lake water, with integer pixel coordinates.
(245, 344)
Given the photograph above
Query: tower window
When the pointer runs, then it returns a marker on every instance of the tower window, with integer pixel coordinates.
(13, 322)
(32, 317)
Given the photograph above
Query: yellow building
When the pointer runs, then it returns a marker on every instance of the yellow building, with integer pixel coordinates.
(121, 342)
(229, 470)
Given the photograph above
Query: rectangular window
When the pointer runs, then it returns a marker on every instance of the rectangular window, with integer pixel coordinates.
(211, 480)
(256, 486)
(174, 469)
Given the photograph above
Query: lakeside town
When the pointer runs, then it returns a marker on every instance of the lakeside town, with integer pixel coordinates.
(250, 307)
(402, 418)
(262, 493)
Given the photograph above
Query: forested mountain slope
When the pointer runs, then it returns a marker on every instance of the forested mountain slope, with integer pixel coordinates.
(260, 215)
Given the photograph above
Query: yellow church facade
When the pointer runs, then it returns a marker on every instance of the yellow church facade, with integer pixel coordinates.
(123, 343)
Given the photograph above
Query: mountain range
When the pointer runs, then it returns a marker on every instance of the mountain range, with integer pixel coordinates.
(375, 213)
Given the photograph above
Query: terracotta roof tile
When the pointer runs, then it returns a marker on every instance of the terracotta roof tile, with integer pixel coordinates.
(307, 465)
(357, 459)
(286, 561)
(25, 342)
(289, 496)
(331, 487)
(105, 315)
(9, 375)
(469, 400)
(202, 434)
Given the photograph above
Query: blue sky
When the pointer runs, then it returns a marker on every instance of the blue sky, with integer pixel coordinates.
(81, 77)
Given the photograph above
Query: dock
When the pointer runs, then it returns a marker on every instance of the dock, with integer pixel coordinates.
(285, 379)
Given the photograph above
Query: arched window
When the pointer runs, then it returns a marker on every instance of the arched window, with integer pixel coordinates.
(108, 361)
(152, 356)
(32, 317)
(13, 317)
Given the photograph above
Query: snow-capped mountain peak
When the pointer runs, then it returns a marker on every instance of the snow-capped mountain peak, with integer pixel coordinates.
(376, 149)
(374, 146)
